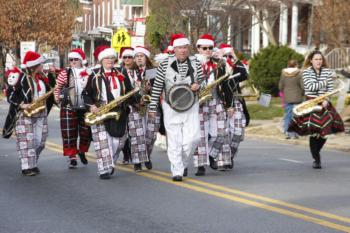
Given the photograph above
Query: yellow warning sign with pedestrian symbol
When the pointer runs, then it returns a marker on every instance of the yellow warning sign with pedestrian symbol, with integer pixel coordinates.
(121, 39)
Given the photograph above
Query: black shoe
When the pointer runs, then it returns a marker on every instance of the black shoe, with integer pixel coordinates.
(213, 163)
(230, 166)
(316, 165)
(105, 176)
(200, 171)
(112, 171)
(83, 158)
(148, 165)
(28, 172)
(36, 170)
(177, 178)
(73, 163)
(185, 172)
(138, 167)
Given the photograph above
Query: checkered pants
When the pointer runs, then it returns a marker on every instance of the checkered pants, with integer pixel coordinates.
(200, 156)
(137, 136)
(72, 126)
(107, 148)
(237, 123)
(153, 125)
(213, 123)
(31, 133)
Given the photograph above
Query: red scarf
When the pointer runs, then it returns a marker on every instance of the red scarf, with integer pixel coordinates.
(36, 80)
(113, 78)
(209, 66)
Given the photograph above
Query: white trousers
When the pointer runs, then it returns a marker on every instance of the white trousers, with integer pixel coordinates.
(183, 135)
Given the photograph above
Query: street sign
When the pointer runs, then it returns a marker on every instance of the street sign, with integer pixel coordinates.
(121, 39)
(137, 41)
(25, 47)
(118, 17)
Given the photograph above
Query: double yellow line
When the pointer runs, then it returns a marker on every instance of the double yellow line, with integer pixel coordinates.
(329, 220)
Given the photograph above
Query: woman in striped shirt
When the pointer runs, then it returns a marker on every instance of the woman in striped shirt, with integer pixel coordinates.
(318, 81)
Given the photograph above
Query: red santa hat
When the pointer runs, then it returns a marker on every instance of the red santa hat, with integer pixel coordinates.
(78, 53)
(32, 59)
(104, 51)
(205, 40)
(12, 76)
(140, 49)
(126, 51)
(179, 40)
(226, 48)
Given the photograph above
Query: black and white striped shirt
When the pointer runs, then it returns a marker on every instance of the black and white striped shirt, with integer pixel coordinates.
(317, 84)
(159, 82)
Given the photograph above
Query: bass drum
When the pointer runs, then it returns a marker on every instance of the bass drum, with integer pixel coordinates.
(181, 97)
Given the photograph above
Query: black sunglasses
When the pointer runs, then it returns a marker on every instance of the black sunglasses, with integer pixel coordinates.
(126, 57)
(229, 56)
(206, 48)
(74, 59)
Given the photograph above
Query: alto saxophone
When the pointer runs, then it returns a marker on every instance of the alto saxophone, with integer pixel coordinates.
(37, 105)
(145, 99)
(313, 105)
(206, 93)
(105, 113)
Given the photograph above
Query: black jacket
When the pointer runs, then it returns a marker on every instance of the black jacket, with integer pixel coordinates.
(22, 93)
(92, 96)
(229, 89)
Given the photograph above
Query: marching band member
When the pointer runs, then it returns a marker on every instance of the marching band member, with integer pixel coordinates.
(104, 85)
(137, 123)
(69, 86)
(127, 69)
(31, 129)
(318, 81)
(212, 114)
(237, 113)
(182, 128)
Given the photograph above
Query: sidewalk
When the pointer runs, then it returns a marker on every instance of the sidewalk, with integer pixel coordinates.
(271, 130)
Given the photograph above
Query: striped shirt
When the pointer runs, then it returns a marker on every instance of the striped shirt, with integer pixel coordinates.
(61, 82)
(317, 84)
(159, 82)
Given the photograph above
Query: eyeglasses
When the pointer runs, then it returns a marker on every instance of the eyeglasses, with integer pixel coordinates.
(206, 48)
(74, 59)
(229, 56)
(128, 57)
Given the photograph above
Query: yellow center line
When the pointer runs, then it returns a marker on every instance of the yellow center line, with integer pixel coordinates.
(158, 175)
(242, 200)
(262, 198)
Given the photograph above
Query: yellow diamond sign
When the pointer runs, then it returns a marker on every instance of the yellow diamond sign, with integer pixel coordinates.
(121, 39)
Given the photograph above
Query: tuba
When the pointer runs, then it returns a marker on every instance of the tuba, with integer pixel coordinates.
(105, 112)
(312, 105)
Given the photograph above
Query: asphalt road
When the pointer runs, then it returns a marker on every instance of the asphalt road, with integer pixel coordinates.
(271, 189)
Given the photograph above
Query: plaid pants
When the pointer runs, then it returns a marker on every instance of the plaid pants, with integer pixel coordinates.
(72, 126)
(237, 124)
(137, 136)
(107, 148)
(213, 124)
(151, 132)
(31, 133)
(200, 156)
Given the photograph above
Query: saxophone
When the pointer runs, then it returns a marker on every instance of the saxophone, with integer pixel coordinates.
(206, 93)
(313, 105)
(37, 105)
(146, 99)
(105, 113)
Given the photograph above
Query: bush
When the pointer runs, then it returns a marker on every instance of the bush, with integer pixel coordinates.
(265, 67)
